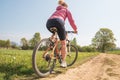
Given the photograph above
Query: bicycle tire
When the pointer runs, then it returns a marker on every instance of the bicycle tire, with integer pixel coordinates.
(72, 55)
(38, 66)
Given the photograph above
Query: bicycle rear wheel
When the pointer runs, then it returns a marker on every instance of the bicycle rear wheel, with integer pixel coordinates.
(72, 54)
(42, 65)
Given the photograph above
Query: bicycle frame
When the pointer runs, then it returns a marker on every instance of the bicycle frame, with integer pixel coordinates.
(55, 41)
(54, 38)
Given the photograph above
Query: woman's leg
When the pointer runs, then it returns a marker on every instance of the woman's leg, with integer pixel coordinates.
(63, 49)
(63, 53)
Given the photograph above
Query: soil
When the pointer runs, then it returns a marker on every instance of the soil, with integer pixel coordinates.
(102, 67)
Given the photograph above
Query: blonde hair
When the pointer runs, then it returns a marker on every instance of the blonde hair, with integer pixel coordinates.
(62, 3)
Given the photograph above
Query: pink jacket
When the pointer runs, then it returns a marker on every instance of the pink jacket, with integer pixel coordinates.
(63, 13)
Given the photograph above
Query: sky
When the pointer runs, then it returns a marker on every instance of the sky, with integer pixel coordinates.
(23, 18)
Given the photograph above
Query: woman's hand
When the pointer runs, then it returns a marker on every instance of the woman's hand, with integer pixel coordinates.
(76, 31)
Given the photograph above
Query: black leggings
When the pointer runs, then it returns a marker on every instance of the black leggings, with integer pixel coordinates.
(59, 24)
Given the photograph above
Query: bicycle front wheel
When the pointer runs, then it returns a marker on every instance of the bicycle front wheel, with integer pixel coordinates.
(42, 64)
(72, 54)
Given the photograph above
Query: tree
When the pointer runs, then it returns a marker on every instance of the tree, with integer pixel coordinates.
(24, 43)
(2, 43)
(36, 38)
(104, 40)
(5, 43)
(74, 41)
(8, 43)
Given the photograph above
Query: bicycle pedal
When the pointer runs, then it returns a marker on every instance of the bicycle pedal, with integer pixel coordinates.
(47, 57)
(52, 72)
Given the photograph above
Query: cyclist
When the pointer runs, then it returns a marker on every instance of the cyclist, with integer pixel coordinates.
(57, 19)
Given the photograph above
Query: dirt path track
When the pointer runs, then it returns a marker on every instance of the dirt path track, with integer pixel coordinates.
(102, 67)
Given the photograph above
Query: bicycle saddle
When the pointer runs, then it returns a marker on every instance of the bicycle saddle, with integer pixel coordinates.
(53, 29)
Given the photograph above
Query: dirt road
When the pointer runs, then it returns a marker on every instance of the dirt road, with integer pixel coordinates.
(102, 67)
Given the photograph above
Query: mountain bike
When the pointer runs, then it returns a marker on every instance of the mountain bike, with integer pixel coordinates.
(44, 55)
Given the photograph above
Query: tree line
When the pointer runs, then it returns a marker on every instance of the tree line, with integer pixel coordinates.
(8, 44)
(29, 44)
(103, 41)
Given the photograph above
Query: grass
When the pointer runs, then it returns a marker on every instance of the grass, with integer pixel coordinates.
(17, 64)
(114, 52)
(14, 63)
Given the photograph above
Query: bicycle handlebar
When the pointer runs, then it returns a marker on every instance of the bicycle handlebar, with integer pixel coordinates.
(70, 31)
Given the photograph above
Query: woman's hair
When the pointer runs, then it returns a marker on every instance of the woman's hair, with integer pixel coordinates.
(62, 3)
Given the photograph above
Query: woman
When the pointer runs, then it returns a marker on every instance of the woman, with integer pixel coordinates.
(58, 20)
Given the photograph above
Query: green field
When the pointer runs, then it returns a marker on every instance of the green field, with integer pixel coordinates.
(17, 64)
(114, 52)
